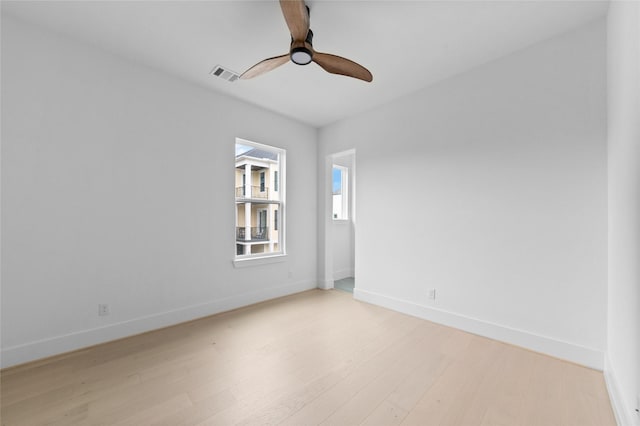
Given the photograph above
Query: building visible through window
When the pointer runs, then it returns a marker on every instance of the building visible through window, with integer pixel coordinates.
(259, 199)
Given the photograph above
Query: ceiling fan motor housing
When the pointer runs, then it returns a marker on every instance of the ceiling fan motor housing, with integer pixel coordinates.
(302, 51)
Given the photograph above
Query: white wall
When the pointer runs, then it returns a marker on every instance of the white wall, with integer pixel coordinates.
(117, 187)
(491, 188)
(623, 352)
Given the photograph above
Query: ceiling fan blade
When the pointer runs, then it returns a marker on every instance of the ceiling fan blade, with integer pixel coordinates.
(264, 66)
(343, 66)
(297, 17)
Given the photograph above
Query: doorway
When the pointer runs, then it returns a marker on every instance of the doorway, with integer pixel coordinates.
(341, 221)
(261, 231)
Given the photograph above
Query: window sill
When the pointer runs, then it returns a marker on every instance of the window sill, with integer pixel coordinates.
(256, 261)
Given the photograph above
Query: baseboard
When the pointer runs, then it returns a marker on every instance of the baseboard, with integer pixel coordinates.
(44, 348)
(325, 284)
(624, 415)
(568, 351)
(342, 273)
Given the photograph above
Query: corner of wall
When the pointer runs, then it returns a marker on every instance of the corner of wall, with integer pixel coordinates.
(624, 415)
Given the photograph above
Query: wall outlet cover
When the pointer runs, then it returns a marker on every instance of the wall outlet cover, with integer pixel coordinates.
(103, 310)
(432, 293)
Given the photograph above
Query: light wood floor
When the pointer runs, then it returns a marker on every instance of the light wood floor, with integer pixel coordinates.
(317, 357)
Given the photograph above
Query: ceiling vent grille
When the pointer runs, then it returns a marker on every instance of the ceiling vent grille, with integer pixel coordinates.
(224, 73)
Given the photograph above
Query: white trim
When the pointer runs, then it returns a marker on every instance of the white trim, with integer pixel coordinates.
(256, 261)
(261, 258)
(326, 222)
(81, 339)
(589, 357)
(325, 285)
(624, 415)
(254, 243)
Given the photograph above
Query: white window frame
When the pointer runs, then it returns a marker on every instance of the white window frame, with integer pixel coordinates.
(241, 261)
(344, 193)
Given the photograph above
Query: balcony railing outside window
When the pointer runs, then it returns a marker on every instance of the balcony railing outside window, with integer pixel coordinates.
(258, 233)
(255, 192)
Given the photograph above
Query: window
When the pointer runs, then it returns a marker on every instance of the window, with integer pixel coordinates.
(259, 212)
(340, 181)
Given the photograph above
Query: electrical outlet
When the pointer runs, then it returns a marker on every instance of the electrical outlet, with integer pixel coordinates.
(103, 310)
(432, 293)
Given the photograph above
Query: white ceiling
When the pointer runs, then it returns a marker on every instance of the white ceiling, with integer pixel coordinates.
(407, 45)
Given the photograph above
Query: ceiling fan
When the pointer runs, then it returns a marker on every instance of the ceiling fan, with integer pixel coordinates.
(301, 52)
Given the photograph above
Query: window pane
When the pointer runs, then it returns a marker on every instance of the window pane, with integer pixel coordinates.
(337, 180)
(259, 229)
(339, 190)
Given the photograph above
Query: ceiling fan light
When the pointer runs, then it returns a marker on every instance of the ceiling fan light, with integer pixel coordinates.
(301, 55)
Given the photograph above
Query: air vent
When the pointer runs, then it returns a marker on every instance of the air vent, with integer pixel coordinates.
(222, 72)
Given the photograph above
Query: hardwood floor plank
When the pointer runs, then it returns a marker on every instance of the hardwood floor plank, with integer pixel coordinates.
(385, 414)
(504, 396)
(443, 402)
(407, 394)
(65, 402)
(199, 411)
(358, 408)
(324, 376)
(157, 412)
(327, 403)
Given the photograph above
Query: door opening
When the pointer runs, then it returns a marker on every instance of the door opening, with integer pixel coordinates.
(341, 221)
